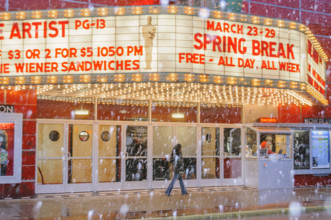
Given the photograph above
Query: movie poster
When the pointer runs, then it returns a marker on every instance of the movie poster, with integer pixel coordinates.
(7, 149)
(320, 149)
(301, 150)
(136, 149)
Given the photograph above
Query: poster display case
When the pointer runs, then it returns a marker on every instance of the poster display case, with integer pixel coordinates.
(10, 147)
(320, 149)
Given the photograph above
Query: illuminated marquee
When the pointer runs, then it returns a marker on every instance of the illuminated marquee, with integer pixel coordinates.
(167, 43)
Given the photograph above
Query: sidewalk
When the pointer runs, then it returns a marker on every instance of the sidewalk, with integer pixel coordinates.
(201, 203)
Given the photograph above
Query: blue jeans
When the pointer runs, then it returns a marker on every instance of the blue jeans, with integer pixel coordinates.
(181, 183)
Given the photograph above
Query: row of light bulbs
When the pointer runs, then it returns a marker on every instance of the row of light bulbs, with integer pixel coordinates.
(170, 77)
(136, 90)
(171, 9)
(175, 92)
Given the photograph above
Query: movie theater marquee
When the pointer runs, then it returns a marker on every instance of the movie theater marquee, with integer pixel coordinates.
(157, 43)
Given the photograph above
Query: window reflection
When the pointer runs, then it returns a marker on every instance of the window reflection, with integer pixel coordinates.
(301, 150)
(161, 169)
(210, 168)
(136, 141)
(251, 143)
(210, 141)
(232, 141)
(190, 168)
(136, 149)
(136, 169)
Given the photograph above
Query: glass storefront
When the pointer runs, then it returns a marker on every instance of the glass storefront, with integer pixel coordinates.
(89, 155)
(83, 156)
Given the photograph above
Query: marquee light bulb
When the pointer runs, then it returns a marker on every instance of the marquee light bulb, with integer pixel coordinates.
(102, 11)
(69, 13)
(6, 16)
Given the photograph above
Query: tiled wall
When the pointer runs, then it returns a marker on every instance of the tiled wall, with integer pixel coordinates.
(24, 102)
(17, 5)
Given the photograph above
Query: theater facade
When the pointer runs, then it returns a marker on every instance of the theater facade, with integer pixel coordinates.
(94, 100)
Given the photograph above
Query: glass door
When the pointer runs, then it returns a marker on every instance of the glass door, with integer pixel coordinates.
(64, 157)
(136, 157)
(51, 158)
(210, 155)
(109, 157)
(163, 142)
(187, 137)
(232, 152)
(79, 163)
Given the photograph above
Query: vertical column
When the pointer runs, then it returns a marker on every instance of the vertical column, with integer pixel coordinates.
(150, 110)
(198, 113)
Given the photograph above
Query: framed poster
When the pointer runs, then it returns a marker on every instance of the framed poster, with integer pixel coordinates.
(301, 150)
(320, 149)
(10, 147)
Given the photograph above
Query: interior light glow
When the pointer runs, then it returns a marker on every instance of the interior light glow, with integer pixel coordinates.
(177, 115)
(81, 112)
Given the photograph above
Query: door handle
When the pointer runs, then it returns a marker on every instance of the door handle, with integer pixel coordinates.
(68, 155)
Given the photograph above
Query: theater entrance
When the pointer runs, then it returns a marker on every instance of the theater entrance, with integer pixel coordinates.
(78, 156)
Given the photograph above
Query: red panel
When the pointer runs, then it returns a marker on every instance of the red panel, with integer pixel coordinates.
(29, 127)
(318, 6)
(328, 111)
(28, 158)
(29, 142)
(65, 5)
(287, 3)
(328, 93)
(328, 71)
(320, 29)
(1, 191)
(21, 97)
(125, 2)
(28, 5)
(221, 115)
(326, 44)
(2, 101)
(275, 12)
(29, 111)
(313, 112)
(314, 18)
(232, 167)
(19, 190)
(165, 114)
(245, 8)
(289, 114)
(311, 180)
(62, 110)
(28, 172)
